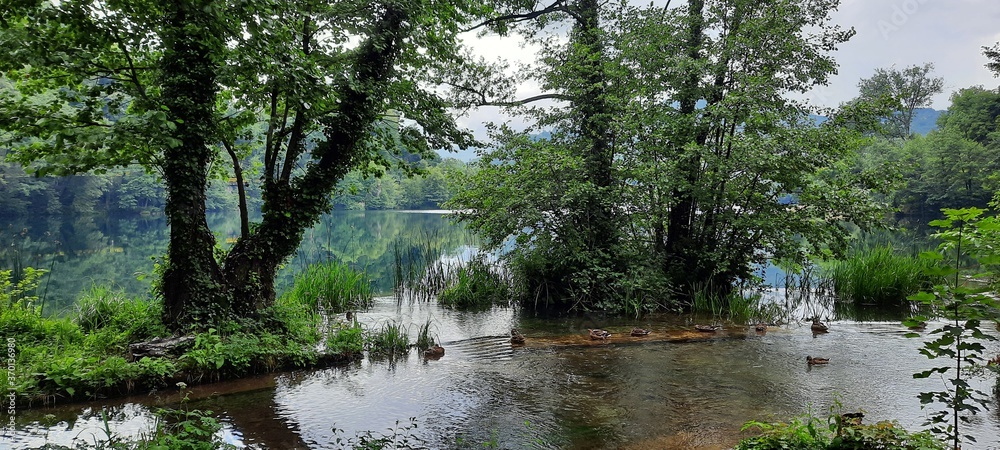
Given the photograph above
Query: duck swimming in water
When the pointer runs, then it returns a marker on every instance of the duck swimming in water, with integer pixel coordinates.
(434, 352)
(637, 332)
(599, 334)
(516, 337)
(708, 328)
(813, 361)
(819, 327)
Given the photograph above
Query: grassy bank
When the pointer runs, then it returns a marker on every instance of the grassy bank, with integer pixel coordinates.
(86, 355)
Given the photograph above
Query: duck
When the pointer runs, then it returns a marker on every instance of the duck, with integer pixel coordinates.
(819, 327)
(813, 361)
(434, 352)
(639, 332)
(760, 327)
(599, 334)
(516, 337)
(707, 328)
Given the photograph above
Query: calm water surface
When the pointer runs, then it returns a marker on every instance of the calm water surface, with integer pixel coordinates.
(676, 389)
(561, 390)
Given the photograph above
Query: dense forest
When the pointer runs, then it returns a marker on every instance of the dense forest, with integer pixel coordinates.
(132, 190)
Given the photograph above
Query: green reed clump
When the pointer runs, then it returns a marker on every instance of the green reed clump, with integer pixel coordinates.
(733, 304)
(333, 286)
(477, 284)
(878, 275)
(390, 339)
(424, 339)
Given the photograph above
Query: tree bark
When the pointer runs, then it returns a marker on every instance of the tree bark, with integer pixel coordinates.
(291, 208)
(192, 285)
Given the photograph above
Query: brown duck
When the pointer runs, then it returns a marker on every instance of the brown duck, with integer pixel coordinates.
(814, 361)
(434, 352)
(638, 332)
(516, 337)
(599, 334)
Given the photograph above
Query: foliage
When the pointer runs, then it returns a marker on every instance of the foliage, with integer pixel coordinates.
(837, 433)
(424, 339)
(683, 176)
(397, 438)
(476, 284)
(348, 341)
(878, 275)
(390, 339)
(964, 233)
(906, 90)
(189, 90)
(333, 286)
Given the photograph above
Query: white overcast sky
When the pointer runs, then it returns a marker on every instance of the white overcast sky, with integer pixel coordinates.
(900, 33)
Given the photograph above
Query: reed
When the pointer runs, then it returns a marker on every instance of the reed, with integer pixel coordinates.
(424, 339)
(390, 339)
(878, 275)
(333, 286)
(476, 284)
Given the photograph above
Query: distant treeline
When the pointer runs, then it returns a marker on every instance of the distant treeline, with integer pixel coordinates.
(133, 190)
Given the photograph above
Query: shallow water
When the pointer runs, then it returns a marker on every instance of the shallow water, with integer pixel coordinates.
(673, 389)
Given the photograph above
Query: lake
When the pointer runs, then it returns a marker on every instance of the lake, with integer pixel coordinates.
(675, 388)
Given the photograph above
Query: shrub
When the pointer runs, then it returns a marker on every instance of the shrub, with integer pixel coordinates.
(836, 434)
(346, 341)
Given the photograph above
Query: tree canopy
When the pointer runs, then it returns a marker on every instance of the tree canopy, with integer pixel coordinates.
(178, 86)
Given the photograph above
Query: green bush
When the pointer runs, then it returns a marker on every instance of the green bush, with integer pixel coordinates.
(878, 275)
(836, 434)
(346, 341)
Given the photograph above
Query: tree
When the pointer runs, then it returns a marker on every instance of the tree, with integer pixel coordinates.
(993, 53)
(698, 141)
(171, 85)
(908, 90)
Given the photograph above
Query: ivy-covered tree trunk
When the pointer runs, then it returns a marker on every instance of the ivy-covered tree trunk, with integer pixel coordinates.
(290, 209)
(192, 285)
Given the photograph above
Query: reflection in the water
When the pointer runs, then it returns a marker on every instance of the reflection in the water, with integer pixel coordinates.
(675, 388)
(83, 251)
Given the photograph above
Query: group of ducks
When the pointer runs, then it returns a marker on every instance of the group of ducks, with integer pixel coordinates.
(517, 338)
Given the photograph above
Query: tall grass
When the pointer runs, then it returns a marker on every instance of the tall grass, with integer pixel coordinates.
(390, 339)
(333, 286)
(424, 339)
(878, 275)
(477, 284)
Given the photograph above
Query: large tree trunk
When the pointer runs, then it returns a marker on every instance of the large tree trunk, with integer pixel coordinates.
(290, 209)
(192, 288)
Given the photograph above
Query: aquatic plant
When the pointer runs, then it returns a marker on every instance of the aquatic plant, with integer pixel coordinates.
(424, 339)
(333, 286)
(735, 305)
(477, 284)
(878, 275)
(390, 339)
